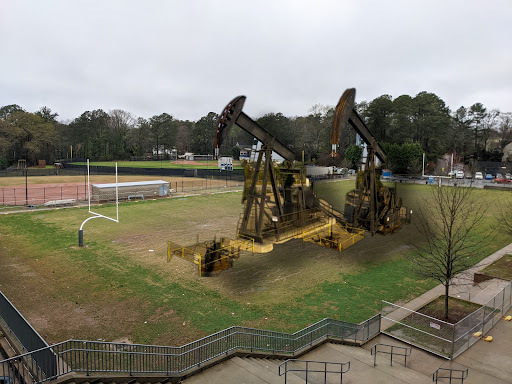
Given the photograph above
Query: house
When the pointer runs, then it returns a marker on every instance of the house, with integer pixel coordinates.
(250, 152)
(245, 151)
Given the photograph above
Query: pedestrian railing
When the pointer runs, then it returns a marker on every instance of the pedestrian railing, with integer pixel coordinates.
(451, 374)
(391, 350)
(326, 369)
(89, 357)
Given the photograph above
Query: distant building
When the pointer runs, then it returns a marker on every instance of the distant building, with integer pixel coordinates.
(245, 151)
(250, 152)
(165, 153)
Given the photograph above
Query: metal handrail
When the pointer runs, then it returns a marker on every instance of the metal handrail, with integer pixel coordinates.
(463, 374)
(97, 356)
(307, 370)
(406, 352)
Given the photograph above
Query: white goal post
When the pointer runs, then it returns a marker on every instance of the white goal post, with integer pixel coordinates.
(96, 215)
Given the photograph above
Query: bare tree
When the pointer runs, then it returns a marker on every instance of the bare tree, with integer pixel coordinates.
(449, 223)
(505, 130)
(505, 216)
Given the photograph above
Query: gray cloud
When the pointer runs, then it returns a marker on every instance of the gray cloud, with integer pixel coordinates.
(188, 58)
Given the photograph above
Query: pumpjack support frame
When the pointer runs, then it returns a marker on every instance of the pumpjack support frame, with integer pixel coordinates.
(266, 214)
(365, 206)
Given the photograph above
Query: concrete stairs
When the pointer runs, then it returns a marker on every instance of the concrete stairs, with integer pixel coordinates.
(117, 381)
(253, 370)
(6, 349)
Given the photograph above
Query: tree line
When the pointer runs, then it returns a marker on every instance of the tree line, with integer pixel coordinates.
(405, 126)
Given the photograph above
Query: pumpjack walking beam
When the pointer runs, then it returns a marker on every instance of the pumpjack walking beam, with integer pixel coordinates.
(233, 114)
(345, 113)
(256, 211)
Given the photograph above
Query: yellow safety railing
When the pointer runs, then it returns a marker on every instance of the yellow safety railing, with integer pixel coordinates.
(246, 238)
(182, 252)
(357, 234)
(234, 248)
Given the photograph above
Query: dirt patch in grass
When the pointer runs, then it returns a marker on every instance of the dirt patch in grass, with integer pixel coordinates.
(501, 269)
(457, 309)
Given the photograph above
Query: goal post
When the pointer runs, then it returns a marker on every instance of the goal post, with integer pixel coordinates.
(96, 215)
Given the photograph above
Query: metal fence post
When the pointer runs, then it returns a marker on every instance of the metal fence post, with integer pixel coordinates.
(494, 308)
(454, 328)
(87, 360)
(503, 303)
(483, 320)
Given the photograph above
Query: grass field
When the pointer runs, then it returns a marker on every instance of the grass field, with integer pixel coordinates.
(121, 287)
(501, 268)
(197, 164)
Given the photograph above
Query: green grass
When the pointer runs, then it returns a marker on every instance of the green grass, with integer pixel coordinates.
(358, 296)
(204, 164)
(501, 268)
(100, 269)
(121, 285)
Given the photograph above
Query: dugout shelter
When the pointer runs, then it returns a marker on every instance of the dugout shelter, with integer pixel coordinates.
(130, 190)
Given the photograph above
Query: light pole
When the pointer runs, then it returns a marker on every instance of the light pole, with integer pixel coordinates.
(26, 183)
(423, 170)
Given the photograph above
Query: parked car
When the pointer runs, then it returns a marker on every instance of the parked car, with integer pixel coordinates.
(508, 176)
(451, 174)
(459, 174)
(499, 176)
(488, 176)
(500, 180)
(479, 176)
(468, 176)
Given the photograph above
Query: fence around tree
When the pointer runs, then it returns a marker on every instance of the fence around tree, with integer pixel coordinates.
(439, 337)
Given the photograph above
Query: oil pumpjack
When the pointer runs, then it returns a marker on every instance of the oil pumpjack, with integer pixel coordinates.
(277, 200)
(370, 205)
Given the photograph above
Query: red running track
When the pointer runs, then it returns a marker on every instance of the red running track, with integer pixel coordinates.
(41, 193)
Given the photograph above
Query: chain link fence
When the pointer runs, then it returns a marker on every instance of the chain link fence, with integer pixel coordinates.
(440, 337)
(52, 193)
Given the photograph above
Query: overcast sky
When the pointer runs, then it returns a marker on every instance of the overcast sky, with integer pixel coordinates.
(190, 57)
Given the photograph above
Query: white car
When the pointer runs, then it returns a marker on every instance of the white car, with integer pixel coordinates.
(459, 175)
(479, 176)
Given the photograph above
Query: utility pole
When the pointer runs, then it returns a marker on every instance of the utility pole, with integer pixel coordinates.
(26, 183)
